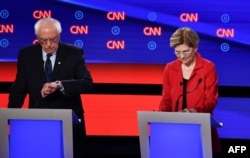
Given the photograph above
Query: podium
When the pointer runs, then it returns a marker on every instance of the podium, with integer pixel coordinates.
(36, 133)
(175, 134)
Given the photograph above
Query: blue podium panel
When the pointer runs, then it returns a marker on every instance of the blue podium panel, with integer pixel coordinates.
(175, 140)
(176, 134)
(36, 139)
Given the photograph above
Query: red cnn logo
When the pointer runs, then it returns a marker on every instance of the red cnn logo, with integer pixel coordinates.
(116, 16)
(152, 31)
(189, 17)
(115, 44)
(7, 28)
(38, 14)
(75, 29)
(225, 33)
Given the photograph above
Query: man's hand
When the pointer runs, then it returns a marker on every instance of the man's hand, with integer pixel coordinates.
(48, 88)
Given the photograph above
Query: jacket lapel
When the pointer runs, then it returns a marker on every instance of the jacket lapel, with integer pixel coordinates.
(58, 62)
(39, 64)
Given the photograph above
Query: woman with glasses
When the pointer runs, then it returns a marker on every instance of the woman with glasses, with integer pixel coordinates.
(190, 83)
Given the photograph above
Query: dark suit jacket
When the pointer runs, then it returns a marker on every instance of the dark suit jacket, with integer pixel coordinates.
(69, 68)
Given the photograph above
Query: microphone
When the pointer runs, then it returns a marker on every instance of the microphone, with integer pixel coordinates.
(177, 101)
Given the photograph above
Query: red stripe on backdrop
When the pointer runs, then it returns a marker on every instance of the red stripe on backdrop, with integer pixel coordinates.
(105, 73)
(116, 114)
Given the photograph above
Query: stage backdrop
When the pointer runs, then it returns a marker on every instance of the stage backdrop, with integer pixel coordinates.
(137, 31)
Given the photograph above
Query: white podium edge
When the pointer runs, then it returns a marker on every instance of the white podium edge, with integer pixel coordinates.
(65, 115)
(204, 119)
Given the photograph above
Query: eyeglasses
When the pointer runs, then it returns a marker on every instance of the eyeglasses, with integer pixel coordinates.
(50, 40)
(188, 51)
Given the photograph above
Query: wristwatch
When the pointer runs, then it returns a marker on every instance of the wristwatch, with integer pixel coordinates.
(58, 86)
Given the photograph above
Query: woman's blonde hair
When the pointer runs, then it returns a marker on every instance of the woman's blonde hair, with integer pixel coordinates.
(184, 35)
